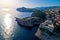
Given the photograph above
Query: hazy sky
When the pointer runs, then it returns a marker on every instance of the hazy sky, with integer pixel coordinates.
(35, 3)
(28, 3)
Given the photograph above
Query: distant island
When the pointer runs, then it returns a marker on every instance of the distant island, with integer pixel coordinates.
(24, 9)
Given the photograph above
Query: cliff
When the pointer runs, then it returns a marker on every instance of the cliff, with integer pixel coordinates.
(48, 21)
(50, 30)
(29, 21)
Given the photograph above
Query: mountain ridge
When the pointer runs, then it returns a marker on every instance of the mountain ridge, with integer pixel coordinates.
(24, 9)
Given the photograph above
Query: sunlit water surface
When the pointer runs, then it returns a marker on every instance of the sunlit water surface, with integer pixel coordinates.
(10, 30)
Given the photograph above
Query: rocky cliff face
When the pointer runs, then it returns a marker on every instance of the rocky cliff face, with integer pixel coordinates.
(45, 36)
(50, 30)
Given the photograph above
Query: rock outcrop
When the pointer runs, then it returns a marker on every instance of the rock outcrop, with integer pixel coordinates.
(45, 36)
(48, 21)
(28, 22)
(46, 31)
(48, 25)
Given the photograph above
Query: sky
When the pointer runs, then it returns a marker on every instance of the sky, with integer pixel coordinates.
(39, 3)
(29, 3)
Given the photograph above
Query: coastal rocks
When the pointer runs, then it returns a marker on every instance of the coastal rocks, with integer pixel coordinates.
(46, 20)
(43, 35)
(29, 21)
(46, 31)
(47, 25)
(24, 23)
(37, 34)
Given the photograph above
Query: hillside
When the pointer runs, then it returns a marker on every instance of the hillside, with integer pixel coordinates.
(24, 9)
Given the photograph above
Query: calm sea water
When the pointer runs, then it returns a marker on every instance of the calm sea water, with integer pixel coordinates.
(10, 30)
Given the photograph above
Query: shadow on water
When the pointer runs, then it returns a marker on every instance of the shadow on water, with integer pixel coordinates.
(23, 33)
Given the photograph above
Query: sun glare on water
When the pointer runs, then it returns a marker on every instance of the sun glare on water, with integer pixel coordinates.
(5, 9)
(8, 29)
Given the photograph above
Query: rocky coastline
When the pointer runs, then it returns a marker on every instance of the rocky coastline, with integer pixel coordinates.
(50, 29)
(29, 22)
(48, 21)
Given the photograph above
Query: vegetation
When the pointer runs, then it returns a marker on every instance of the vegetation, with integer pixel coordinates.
(59, 11)
(24, 19)
(40, 14)
(46, 31)
(57, 28)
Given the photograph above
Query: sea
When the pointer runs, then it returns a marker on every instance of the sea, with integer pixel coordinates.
(10, 29)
